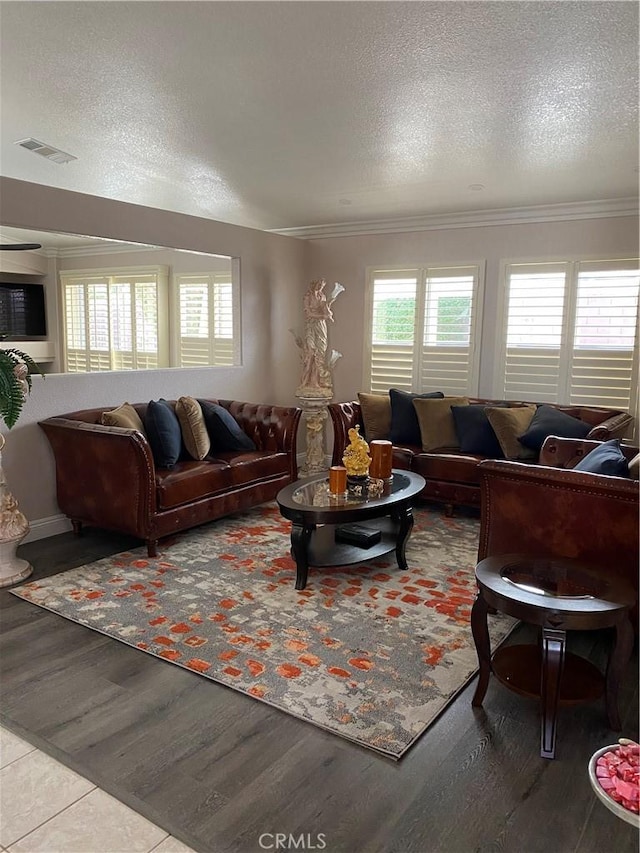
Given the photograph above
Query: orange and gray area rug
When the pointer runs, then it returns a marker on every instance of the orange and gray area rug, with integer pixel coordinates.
(368, 652)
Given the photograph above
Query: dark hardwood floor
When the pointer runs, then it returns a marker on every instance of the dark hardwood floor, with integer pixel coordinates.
(218, 769)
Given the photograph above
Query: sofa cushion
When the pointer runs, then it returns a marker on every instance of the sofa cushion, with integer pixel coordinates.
(248, 467)
(224, 430)
(437, 428)
(405, 428)
(448, 467)
(634, 467)
(191, 481)
(509, 424)
(606, 459)
(124, 416)
(163, 433)
(194, 431)
(376, 415)
(551, 421)
(475, 433)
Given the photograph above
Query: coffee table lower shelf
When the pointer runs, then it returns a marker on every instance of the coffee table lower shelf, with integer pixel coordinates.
(520, 669)
(323, 550)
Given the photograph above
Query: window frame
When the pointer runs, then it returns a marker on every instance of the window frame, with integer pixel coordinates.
(107, 274)
(175, 325)
(423, 272)
(573, 266)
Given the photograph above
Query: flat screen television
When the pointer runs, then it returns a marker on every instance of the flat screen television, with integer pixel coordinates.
(22, 312)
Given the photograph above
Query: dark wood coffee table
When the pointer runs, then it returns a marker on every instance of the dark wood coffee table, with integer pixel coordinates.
(559, 595)
(315, 514)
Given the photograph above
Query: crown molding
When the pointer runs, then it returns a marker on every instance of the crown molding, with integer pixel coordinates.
(97, 249)
(472, 219)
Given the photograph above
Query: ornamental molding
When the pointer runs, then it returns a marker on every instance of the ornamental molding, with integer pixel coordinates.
(603, 209)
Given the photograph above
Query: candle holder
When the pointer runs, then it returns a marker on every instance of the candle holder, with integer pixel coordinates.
(381, 460)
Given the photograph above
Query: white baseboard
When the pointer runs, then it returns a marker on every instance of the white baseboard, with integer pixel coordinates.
(42, 528)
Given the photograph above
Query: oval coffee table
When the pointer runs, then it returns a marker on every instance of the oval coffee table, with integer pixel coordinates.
(558, 595)
(316, 515)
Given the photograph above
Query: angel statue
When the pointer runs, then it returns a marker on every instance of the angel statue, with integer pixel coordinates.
(316, 361)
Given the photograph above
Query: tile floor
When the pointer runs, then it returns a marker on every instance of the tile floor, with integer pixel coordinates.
(47, 808)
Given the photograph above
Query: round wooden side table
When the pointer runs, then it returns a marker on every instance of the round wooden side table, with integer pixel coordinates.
(559, 595)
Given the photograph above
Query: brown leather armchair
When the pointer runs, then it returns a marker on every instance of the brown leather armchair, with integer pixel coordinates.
(549, 510)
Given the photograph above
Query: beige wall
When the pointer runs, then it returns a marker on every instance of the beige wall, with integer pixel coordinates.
(275, 272)
(345, 259)
(272, 283)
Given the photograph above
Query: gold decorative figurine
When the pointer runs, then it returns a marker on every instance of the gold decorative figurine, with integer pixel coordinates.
(356, 460)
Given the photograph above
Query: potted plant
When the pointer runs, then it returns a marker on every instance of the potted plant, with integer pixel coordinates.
(16, 368)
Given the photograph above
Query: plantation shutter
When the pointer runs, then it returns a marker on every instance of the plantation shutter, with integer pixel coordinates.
(423, 330)
(571, 333)
(206, 320)
(393, 330)
(535, 315)
(111, 321)
(447, 363)
(604, 347)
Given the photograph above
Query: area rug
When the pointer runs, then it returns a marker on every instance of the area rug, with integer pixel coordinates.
(369, 652)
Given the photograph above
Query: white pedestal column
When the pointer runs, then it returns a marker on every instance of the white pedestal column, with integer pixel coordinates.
(13, 528)
(314, 416)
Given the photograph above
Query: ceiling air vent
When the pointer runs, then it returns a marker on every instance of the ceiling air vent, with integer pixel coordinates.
(48, 151)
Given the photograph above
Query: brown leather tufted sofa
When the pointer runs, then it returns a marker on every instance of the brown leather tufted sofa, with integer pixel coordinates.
(452, 477)
(549, 510)
(106, 476)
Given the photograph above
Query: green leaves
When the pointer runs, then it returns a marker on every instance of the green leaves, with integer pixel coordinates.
(12, 389)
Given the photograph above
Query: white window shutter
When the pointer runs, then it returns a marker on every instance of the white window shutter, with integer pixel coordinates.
(393, 329)
(205, 320)
(447, 359)
(535, 314)
(571, 333)
(423, 329)
(602, 356)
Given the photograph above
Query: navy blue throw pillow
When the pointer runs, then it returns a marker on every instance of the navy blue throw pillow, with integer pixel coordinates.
(224, 430)
(405, 428)
(550, 421)
(163, 433)
(475, 433)
(606, 459)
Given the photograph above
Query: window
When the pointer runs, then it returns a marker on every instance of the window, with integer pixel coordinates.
(570, 333)
(205, 310)
(111, 320)
(424, 325)
(120, 319)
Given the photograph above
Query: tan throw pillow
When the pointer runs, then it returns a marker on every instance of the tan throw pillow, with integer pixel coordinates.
(509, 424)
(437, 426)
(124, 416)
(194, 430)
(376, 415)
(634, 467)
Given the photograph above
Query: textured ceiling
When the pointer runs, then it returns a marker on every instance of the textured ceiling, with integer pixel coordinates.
(286, 114)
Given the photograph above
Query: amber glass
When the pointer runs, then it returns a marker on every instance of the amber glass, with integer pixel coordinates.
(337, 479)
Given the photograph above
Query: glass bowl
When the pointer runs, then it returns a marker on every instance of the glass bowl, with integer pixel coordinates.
(601, 794)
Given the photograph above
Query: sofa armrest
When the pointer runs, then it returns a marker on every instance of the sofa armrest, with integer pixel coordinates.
(104, 475)
(270, 427)
(344, 416)
(567, 452)
(617, 426)
(547, 512)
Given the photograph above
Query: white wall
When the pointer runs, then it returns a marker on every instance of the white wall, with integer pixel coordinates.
(345, 259)
(272, 271)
